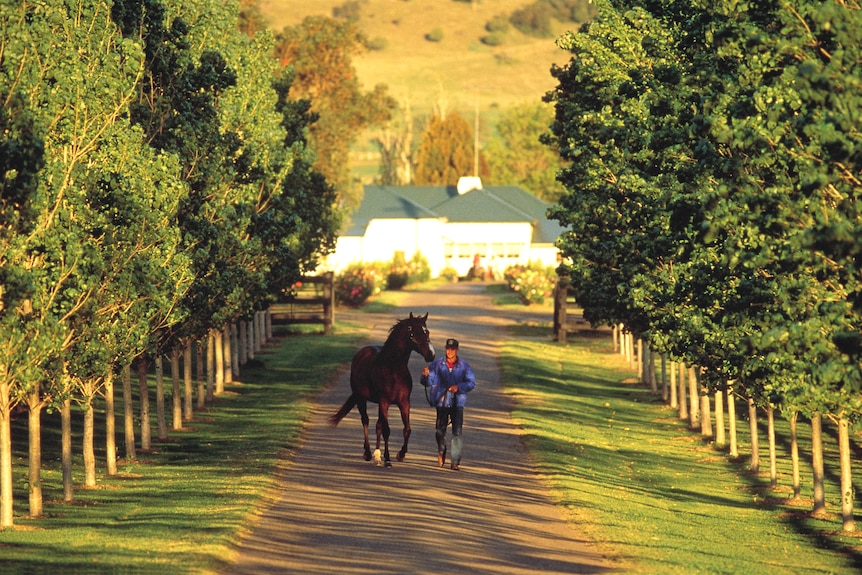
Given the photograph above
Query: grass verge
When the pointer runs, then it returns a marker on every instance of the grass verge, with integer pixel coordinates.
(656, 496)
(180, 507)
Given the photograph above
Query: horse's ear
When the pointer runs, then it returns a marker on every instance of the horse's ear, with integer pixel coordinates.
(411, 315)
(426, 316)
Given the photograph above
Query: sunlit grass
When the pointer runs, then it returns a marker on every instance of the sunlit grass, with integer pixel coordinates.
(656, 496)
(180, 507)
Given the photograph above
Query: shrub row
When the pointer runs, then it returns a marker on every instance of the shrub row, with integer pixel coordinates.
(356, 283)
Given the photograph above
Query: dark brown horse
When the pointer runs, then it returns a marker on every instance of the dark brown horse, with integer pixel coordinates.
(380, 375)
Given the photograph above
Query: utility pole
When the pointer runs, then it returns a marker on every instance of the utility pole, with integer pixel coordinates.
(476, 137)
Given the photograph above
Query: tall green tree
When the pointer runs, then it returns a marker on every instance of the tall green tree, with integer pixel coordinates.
(68, 78)
(517, 156)
(320, 51)
(734, 124)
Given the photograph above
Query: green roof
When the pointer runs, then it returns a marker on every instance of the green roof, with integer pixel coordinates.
(492, 204)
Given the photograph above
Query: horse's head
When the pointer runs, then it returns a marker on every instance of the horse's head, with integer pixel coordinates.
(419, 336)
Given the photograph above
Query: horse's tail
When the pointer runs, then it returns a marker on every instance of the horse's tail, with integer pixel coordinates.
(336, 417)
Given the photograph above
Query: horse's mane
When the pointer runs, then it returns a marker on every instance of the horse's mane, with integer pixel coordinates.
(398, 323)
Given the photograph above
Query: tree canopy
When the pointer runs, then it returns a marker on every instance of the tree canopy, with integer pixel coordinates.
(319, 52)
(714, 187)
(155, 184)
(446, 151)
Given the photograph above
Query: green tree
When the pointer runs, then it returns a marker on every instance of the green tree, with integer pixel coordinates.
(446, 152)
(517, 156)
(68, 81)
(319, 50)
(728, 128)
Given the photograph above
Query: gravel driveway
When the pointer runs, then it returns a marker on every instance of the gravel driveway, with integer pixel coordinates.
(335, 513)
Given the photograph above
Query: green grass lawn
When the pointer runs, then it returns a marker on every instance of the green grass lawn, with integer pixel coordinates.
(180, 507)
(655, 495)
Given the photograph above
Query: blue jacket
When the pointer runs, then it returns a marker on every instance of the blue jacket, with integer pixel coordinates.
(440, 378)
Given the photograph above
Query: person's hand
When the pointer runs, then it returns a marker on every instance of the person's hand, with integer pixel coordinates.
(425, 371)
(453, 389)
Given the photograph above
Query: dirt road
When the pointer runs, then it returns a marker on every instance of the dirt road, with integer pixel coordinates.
(335, 513)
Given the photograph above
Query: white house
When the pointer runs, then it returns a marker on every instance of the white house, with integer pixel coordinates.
(449, 226)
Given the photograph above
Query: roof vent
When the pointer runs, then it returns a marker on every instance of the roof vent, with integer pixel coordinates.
(468, 183)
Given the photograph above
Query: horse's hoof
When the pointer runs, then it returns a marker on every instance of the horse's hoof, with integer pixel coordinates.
(367, 456)
(388, 463)
(378, 457)
(400, 457)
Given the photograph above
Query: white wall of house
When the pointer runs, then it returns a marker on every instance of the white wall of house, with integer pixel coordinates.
(383, 238)
(455, 245)
(498, 245)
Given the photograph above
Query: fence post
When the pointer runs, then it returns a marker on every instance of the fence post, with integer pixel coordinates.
(561, 292)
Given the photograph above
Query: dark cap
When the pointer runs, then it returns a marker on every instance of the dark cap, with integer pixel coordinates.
(452, 343)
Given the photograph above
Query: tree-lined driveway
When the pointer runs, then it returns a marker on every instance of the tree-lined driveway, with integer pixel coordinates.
(335, 513)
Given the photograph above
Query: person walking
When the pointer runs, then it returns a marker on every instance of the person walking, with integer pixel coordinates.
(449, 379)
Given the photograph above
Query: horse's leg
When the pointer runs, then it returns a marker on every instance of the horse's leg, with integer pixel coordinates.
(362, 405)
(404, 407)
(383, 430)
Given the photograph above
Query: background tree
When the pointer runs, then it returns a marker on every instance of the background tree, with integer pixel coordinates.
(446, 151)
(319, 50)
(395, 144)
(517, 156)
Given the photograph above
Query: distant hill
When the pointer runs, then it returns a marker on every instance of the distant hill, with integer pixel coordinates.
(452, 69)
(457, 70)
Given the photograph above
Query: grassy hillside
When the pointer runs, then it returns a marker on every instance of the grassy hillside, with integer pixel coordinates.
(452, 70)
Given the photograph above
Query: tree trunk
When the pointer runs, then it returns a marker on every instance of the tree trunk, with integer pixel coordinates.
(720, 437)
(210, 367)
(653, 382)
(665, 392)
(683, 402)
(694, 398)
(817, 464)
(189, 412)
(794, 455)
(251, 337)
(66, 425)
(34, 427)
(849, 524)
(218, 360)
(773, 464)
(201, 375)
(110, 425)
(243, 342)
(639, 362)
(6, 508)
(161, 424)
(267, 321)
(731, 420)
(672, 386)
(146, 436)
(755, 444)
(234, 349)
(228, 356)
(175, 386)
(705, 415)
(89, 451)
(129, 414)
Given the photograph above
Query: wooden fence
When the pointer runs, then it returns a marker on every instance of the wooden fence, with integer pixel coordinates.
(311, 301)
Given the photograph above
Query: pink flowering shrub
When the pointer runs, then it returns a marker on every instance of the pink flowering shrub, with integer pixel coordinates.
(357, 283)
